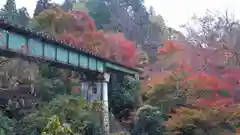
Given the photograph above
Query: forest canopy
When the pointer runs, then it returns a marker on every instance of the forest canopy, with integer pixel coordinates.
(189, 84)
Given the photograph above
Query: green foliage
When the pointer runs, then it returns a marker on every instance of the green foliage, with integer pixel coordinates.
(10, 6)
(124, 96)
(54, 127)
(165, 97)
(6, 125)
(49, 72)
(9, 11)
(99, 12)
(14, 15)
(23, 17)
(120, 133)
(53, 21)
(51, 83)
(68, 5)
(81, 116)
(199, 120)
(50, 88)
(148, 121)
(224, 93)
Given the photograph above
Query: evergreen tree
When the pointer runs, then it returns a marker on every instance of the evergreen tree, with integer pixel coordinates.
(41, 5)
(129, 17)
(2, 14)
(9, 11)
(99, 12)
(10, 6)
(152, 11)
(23, 17)
(68, 4)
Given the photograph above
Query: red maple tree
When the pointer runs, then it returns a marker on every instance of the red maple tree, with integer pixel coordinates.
(114, 46)
(206, 70)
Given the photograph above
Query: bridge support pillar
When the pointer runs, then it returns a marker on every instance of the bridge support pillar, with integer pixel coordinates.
(105, 103)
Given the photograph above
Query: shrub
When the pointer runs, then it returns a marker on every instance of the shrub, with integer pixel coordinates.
(54, 127)
(148, 121)
(6, 125)
(197, 120)
(80, 115)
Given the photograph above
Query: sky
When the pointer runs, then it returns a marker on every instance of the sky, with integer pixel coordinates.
(174, 12)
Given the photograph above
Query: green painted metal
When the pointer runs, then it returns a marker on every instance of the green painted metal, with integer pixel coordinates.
(62, 55)
(3, 38)
(73, 58)
(92, 64)
(100, 66)
(83, 61)
(35, 47)
(49, 51)
(118, 68)
(17, 42)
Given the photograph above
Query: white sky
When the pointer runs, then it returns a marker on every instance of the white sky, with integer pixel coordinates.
(174, 12)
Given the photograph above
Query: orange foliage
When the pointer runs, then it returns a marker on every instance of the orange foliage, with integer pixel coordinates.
(95, 42)
(170, 47)
(197, 116)
(206, 81)
(200, 82)
(113, 46)
(154, 79)
(198, 69)
(84, 21)
(199, 59)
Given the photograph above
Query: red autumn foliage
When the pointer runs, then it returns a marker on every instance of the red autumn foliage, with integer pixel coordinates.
(122, 50)
(86, 23)
(205, 69)
(199, 59)
(170, 47)
(205, 81)
(201, 82)
(108, 45)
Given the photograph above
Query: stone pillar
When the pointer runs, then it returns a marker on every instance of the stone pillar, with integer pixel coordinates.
(84, 90)
(105, 103)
